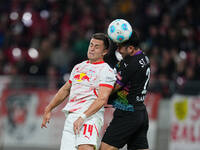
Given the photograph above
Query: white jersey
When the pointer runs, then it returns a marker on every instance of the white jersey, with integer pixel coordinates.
(86, 78)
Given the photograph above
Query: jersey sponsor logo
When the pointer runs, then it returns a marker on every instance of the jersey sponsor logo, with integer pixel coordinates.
(81, 77)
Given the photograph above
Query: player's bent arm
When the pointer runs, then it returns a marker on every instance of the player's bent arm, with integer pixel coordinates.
(102, 99)
(104, 93)
(60, 96)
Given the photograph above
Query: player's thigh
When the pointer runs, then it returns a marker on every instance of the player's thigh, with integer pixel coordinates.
(68, 136)
(138, 140)
(67, 142)
(121, 128)
(90, 132)
(105, 146)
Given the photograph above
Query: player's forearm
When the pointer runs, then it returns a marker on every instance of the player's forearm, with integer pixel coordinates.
(58, 98)
(101, 100)
(95, 106)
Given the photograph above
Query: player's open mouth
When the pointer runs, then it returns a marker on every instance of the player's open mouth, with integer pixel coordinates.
(91, 53)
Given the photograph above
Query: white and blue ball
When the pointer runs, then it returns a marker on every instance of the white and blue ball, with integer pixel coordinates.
(119, 30)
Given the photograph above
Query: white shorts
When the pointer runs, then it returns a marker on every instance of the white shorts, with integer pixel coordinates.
(89, 133)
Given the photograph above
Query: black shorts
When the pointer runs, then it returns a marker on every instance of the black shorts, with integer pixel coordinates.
(128, 128)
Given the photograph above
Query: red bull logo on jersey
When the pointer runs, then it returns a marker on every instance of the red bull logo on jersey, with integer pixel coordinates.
(81, 77)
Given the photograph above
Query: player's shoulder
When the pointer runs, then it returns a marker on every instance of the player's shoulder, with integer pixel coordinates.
(106, 65)
(107, 68)
(139, 57)
(80, 64)
(141, 61)
(136, 61)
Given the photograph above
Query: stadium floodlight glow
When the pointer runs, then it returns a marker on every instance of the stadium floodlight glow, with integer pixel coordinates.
(44, 14)
(180, 81)
(14, 15)
(33, 53)
(17, 53)
(182, 55)
(27, 19)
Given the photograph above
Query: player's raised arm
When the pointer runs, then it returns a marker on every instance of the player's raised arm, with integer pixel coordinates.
(58, 99)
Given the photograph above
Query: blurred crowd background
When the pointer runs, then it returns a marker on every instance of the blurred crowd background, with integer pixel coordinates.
(44, 39)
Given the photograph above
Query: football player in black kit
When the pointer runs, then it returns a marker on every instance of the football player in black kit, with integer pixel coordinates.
(130, 120)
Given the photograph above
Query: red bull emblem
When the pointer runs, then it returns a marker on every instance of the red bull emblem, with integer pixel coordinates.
(81, 77)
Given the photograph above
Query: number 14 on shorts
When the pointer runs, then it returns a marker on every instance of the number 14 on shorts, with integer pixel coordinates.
(88, 129)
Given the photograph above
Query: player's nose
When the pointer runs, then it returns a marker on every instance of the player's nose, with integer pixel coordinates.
(92, 48)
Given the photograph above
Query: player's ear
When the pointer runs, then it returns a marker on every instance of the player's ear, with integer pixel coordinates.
(105, 51)
(131, 49)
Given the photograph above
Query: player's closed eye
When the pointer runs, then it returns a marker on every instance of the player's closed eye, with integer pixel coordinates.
(91, 44)
(97, 46)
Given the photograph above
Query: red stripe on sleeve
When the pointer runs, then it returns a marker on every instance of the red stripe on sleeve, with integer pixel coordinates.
(107, 85)
(95, 92)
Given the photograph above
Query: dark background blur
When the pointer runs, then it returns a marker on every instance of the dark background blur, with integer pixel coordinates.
(41, 40)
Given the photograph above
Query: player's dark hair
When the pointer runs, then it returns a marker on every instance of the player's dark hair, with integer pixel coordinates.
(133, 40)
(103, 37)
(110, 57)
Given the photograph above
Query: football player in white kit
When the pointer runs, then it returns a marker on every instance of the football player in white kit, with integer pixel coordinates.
(88, 88)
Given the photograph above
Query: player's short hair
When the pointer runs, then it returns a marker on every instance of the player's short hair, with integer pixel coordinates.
(103, 37)
(133, 40)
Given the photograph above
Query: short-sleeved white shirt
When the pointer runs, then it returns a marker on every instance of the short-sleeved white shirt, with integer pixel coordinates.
(86, 78)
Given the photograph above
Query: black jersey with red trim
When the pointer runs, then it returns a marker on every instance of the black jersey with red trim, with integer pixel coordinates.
(133, 74)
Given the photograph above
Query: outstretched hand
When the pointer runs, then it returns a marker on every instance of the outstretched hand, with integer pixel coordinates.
(46, 118)
(77, 125)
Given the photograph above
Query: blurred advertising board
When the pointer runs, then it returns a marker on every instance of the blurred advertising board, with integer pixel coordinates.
(4, 80)
(185, 123)
(152, 102)
(22, 116)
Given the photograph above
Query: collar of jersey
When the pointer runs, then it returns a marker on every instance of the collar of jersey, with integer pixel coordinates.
(137, 53)
(95, 63)
(128, 56)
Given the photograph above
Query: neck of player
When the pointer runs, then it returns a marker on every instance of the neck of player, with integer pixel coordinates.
(95, 61)
(135, 51)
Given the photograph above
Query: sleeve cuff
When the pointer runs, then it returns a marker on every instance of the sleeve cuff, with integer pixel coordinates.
(107, 85)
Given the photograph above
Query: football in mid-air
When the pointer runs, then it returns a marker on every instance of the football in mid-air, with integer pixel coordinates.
(119, 30)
